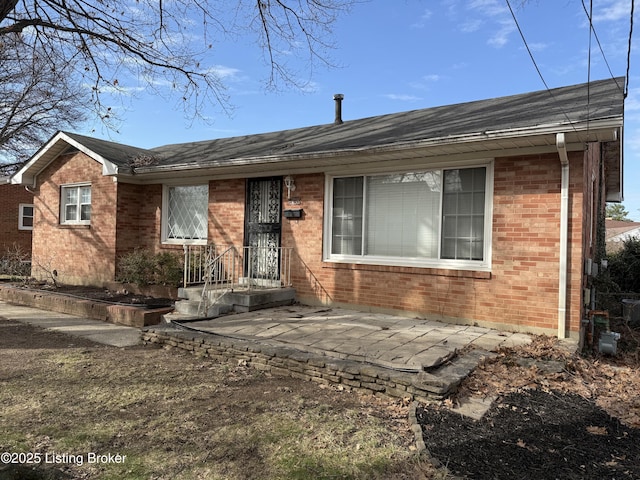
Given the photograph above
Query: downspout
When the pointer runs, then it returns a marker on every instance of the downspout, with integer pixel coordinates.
(564, 234)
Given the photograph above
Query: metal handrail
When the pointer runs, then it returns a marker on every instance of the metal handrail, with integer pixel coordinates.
(261, 267)
(219, 278)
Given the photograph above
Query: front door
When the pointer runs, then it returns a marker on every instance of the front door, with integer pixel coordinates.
(262, 229)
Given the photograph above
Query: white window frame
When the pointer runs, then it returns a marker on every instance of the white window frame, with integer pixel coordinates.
(165, 217)
(22, 216)
(63, 211)
(438, 263)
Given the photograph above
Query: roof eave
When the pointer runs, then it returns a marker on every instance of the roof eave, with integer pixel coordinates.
(538, 139)
(28, 174)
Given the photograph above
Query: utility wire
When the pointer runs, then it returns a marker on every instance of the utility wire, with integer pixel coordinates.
(524, 40)
(626, 86)
(595, 35)
(526, 45)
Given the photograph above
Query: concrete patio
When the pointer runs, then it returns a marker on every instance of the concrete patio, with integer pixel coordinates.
(375, 353)
(399, 343)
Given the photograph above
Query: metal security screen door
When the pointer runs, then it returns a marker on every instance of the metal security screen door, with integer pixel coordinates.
(262, 228)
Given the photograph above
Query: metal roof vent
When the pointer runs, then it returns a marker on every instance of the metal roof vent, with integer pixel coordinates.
(338, 97)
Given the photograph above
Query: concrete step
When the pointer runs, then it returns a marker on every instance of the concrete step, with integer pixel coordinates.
(192, 308)
(248, 301)
(241, 299)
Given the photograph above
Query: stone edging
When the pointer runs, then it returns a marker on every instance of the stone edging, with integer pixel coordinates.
(282, 360)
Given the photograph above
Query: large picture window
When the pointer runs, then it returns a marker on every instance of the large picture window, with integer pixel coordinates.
(75, 205)
(185, 211)
(431, 218)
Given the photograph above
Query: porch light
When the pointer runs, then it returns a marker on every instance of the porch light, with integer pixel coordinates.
(290, 184)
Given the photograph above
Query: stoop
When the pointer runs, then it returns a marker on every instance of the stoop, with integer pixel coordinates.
(239, 300)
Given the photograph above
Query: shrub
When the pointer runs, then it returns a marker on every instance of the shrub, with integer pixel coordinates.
(143, 267)
(15, 263)
(624, 266)
(168, 268)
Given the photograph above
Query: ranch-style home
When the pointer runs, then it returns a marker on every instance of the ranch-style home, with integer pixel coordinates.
(484, 212)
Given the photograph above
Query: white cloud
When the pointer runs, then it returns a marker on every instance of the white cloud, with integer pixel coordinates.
(488, 7)
(501, 37)
(538, 46)
(422, 21)
(632, 102)
(401, 97)
(611, 10)
(222, 71)
(471, 26)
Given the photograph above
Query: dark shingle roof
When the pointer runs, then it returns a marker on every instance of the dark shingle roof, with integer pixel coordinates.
(598, 100)
(116, 153)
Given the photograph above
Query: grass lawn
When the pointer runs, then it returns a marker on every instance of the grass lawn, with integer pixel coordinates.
(172, 415)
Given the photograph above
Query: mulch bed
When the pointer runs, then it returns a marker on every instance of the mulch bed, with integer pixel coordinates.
(533, 434)
(104, 295)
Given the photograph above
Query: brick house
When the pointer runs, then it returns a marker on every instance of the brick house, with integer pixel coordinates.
(16, 217)
(483, 212)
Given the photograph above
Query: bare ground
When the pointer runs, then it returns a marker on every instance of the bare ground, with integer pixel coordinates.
(557, 415)
(176, 416)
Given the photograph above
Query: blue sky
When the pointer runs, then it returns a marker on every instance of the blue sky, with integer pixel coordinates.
(402, 55)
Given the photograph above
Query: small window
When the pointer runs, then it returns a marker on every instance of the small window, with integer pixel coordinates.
(75, 206)
(25, 217)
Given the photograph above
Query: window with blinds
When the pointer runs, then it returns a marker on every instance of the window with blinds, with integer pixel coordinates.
(430, 218)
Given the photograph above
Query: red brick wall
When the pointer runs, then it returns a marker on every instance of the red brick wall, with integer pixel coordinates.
(226, 211)
(521, 292)
(11, 196)
(139, 217)
(80, 254)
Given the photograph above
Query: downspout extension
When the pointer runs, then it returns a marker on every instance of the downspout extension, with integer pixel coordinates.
(564, 234)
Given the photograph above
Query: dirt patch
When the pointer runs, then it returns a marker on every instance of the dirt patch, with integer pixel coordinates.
(174, 415)
(531, 435)
(557, 415)
(122, 296)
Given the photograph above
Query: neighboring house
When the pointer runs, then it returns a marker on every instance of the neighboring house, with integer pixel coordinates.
(16, 218)
(482, 212)
(618, 232)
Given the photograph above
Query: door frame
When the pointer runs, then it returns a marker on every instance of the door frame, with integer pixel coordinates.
(265, 227)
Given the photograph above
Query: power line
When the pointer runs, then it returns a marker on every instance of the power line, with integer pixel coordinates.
(515, 20)
(524, 40)
(626, 86)
(595, 35)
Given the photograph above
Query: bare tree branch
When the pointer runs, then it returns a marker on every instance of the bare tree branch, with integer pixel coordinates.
(108, 43)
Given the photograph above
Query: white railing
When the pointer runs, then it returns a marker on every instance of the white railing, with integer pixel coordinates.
(222, 266)
(266, 267)
(219, 277)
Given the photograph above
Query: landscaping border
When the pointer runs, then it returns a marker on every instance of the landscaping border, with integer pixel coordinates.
(118, 314)
(286, 361)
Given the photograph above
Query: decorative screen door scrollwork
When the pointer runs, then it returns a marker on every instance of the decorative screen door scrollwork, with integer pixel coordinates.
(263, 227)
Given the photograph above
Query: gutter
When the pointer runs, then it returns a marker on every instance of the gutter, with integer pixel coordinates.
(564, 234)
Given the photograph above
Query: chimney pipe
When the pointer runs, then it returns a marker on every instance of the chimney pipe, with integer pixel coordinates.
(338, 97)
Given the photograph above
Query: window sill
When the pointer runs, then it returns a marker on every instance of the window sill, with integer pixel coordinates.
(75, 225)
(183, 242)
(443, 272)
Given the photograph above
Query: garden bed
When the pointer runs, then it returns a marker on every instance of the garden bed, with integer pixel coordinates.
(121, 308)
